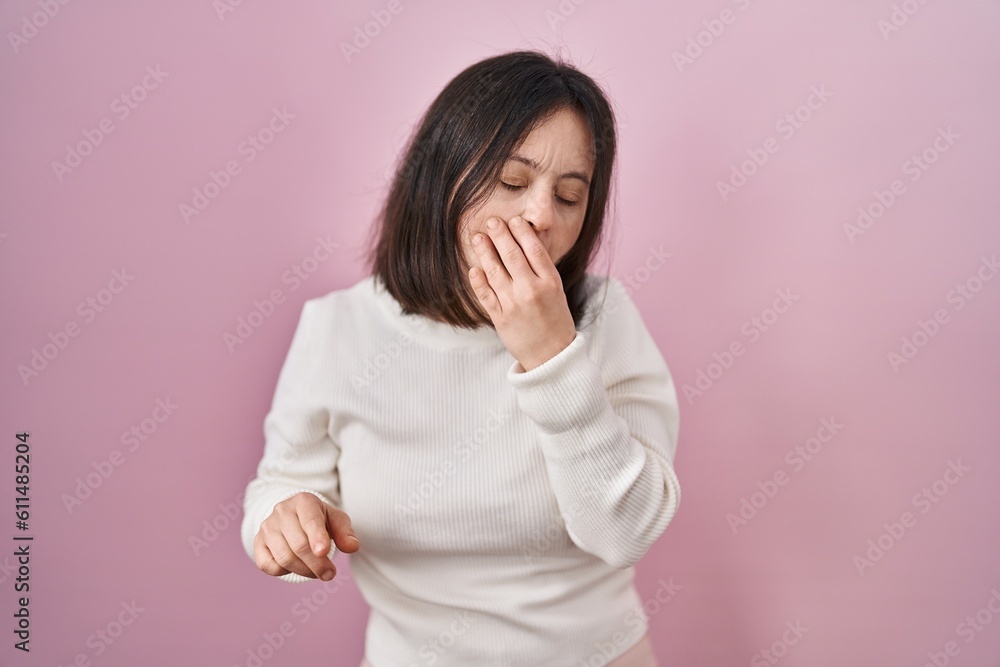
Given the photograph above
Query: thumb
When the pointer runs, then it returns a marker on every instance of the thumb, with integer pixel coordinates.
(339, 524)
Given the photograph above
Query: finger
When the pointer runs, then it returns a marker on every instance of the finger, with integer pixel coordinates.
(481, 288)
(535, 257)
(284, 556)
(300, 544)
(264, 559)
(340, 527)
(489, 260)
(312, 519)
(508, 249)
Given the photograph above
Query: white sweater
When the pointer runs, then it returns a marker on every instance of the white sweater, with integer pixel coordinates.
(499, 511)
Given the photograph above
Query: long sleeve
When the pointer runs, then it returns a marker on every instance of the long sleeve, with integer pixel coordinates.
(608, 431)
(298, 452)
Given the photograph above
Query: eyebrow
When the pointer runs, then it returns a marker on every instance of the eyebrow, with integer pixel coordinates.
(579, 175)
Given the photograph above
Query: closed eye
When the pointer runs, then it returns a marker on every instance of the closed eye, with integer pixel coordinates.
(566, 202)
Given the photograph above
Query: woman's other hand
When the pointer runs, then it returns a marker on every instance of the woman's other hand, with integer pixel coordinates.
(296, 538)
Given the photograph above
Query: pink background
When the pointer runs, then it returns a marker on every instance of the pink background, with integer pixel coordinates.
(684, 128)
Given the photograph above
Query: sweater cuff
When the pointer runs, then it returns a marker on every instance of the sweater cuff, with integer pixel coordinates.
(565, 392)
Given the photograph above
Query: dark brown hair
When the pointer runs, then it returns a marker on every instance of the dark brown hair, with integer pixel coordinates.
(452, 164)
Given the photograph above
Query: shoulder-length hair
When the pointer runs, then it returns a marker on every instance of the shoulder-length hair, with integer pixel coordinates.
(452, 164)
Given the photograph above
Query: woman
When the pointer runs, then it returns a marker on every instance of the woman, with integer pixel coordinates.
(488, 429)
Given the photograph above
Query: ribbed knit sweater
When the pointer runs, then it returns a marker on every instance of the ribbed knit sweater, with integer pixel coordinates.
(499, 511)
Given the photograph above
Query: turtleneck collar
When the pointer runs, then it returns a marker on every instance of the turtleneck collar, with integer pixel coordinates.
(432, 333)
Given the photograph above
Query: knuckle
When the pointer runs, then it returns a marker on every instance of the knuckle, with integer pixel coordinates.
(265, 564)
(299, 545)
(283, 557)
(303, 497)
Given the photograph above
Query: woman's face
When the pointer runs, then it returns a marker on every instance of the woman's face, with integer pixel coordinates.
(546, 181)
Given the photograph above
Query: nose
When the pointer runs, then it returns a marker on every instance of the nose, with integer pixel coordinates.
(538, 211)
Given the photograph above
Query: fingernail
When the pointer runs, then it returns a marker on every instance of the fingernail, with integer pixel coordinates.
(491, 223)
(327, 576)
